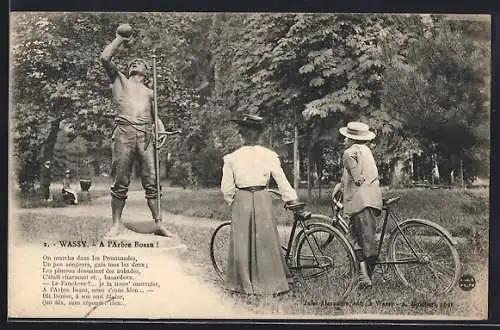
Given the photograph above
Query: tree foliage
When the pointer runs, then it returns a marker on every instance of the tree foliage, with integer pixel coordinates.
(418, 80)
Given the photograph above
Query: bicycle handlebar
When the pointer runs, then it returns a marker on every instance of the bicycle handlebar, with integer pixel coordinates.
(336, 201)
(274, 191)
(171, 132)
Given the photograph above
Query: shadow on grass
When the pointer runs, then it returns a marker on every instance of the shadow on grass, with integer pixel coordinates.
(35, 228)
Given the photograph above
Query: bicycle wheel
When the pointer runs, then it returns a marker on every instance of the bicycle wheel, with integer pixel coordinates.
(219, 248)
(325, 261)
(426, 259)
(314, 220)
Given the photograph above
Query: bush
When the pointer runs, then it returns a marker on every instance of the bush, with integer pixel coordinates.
(207, 167)
(475, 202)
(202, 169)
(181, 174)
(27, 175)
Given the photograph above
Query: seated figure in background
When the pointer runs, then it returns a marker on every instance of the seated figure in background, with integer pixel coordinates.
(69, 195)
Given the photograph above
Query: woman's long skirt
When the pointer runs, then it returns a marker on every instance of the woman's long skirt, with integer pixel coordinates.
(256, 264)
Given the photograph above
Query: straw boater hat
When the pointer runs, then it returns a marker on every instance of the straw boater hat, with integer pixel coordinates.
(250, 121)
(357, 131)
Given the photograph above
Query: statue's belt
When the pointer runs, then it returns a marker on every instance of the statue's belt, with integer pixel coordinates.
(145, 128)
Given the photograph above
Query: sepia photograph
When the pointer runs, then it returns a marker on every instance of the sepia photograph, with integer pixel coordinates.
(256, 166)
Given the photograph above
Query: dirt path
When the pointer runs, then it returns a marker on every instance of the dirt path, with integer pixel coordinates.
(101, 208)
(181, 294)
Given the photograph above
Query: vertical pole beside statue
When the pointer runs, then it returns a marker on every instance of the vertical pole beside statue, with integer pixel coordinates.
(155, 132)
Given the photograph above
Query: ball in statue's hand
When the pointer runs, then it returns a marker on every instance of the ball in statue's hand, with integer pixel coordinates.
(124, 30)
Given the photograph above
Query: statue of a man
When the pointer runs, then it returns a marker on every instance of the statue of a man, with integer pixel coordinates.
(133, 132)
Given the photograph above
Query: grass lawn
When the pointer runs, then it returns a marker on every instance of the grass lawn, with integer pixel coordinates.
(383, 298)
(463, 212)
(100, 187)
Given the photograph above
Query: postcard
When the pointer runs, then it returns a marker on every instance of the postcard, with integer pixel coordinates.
(249, 166)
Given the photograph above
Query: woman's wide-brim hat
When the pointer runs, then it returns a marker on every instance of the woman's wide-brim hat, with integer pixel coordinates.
(251, 121)
(357, 131)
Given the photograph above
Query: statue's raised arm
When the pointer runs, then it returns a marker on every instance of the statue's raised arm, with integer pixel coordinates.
(123, 37)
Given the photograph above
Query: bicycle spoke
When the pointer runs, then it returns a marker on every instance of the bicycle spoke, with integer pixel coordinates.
(406, 261)
(438, 275)
(443, 251)
(409, 244)
(437, 271)
(415, 243)
(407, 258)
(446, 270)
(435, 245)
(404, 253)
(413, 266)
(335, 272)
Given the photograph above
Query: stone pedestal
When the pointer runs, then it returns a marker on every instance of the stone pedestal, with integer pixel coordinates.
(144, 239)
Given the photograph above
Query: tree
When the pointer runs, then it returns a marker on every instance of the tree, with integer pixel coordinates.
(54, 80)
(417, 80)
(436, 91)
(57, 77)
(311, 66)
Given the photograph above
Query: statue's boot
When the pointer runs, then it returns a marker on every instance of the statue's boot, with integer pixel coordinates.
(117, 206)
(159, 228)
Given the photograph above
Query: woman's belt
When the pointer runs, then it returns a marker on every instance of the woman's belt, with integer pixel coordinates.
(253, 188)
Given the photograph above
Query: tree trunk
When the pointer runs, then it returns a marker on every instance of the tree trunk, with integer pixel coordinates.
(309, 175)
(271, 131)
(46, 154)
(319, 170)
(317, 154)
(47, 151)
(296, 173)
(396, 173)
(462, 173)
(97, 168)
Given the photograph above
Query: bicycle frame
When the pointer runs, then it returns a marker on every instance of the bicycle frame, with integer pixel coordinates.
(299, 220)
(337, 219)
(397, 220)
(414, 255)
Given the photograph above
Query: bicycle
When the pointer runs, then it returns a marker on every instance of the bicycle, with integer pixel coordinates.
(319, 256)
(421, 252)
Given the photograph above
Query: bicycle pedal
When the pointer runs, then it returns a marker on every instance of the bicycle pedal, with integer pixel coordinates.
(364, 285)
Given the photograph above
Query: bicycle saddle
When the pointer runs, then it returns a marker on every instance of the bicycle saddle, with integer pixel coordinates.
(389, 201)
(295, 207)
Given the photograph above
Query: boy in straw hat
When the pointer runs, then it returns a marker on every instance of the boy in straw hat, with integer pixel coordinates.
(256, 264)
(362, 195)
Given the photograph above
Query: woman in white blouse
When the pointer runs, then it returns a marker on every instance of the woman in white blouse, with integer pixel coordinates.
(256, 264)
